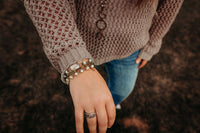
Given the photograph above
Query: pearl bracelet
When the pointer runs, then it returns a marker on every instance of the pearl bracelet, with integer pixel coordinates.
(75, 69)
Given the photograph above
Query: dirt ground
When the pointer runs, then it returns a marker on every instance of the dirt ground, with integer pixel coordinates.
(166, 98)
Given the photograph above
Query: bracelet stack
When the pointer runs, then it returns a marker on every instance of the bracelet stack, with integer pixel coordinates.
(75, 69)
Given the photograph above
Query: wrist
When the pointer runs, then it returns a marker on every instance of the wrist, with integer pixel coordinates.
(78, 62)
(76, 68)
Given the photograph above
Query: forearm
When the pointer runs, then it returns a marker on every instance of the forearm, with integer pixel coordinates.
(54, 21)
(166, 14)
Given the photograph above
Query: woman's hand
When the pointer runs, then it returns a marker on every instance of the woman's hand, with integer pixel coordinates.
(141, 62)
(90, 93)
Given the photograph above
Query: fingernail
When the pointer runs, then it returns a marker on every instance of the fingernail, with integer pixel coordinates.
(137, 61)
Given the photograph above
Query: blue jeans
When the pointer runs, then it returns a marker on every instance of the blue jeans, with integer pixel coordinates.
(121, 76)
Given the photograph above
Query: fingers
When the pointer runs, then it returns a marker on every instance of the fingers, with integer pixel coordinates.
(111, 113)
(102, 118)
(144, 62)
(141, 62)
(92, 122)
(79, 118)
(138, 60)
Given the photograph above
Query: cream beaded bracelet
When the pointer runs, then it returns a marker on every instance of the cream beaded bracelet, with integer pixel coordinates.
(75, 69)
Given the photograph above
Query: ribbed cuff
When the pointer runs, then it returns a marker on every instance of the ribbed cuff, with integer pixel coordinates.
(145, 55)
(150, 49)
(71, 57)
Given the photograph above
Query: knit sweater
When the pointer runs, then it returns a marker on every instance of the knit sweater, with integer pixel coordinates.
(67, 29)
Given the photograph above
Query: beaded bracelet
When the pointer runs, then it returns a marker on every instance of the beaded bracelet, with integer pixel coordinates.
(75, 69)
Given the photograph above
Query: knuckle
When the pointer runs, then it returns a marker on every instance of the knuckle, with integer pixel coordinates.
(110, 123)
(78, 118)
(98, 101)
(92, 123)
(102, 129)
(92, 129)
(103, 124)
(112, 117)
(79, 130)
(102, 100)
(108, 98)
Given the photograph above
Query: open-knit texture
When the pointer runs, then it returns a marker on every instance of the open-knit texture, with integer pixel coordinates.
(68, 27)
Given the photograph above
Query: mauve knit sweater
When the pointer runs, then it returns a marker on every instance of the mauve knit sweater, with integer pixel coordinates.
(68, 27)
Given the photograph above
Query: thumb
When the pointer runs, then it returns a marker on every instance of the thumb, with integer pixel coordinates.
(138, 60)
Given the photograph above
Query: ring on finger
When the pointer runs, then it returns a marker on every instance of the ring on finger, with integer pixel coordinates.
(90, 115)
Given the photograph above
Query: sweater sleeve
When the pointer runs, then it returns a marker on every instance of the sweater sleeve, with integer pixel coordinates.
(166, 14)
(55, 23)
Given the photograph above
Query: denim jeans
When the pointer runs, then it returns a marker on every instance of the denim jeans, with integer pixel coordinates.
(121, 76)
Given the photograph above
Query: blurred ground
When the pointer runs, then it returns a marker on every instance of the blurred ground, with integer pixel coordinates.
(166, 98)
